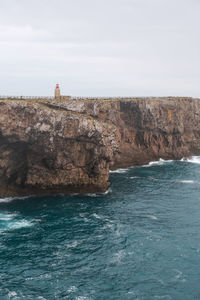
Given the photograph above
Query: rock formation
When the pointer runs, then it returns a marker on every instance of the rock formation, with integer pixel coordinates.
(69, 145)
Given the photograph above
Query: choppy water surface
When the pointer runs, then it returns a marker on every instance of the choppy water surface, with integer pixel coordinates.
(141, 240)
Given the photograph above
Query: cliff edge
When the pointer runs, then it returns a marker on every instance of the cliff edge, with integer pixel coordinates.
(69, 145)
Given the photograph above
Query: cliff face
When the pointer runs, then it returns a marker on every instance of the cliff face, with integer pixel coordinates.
(70, 145)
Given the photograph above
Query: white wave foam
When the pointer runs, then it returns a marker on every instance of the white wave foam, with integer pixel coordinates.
(42, 298)
(97, 216)
(165, 297)
(159, 162)
(91, 195)
(9, 221)
(6, 216)
(109, 225)
(153, 178)
(187, 181)
(2, 200)
(83, 216)
(118, 256)
(119, 170)
(72, 289)
(72, 245)
(192, 159)
(131, 292)
(9, 199)
(19, 224)
(118, 231)
(151, 217)
(12, 294)
(109, 190)
(179, 274)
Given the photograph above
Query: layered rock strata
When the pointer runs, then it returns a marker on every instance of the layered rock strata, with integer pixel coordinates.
(69, 145)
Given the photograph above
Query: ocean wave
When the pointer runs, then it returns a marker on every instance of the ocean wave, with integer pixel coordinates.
(192, 159)
(72, 245)
(165, 297)
(153, 178)
(152, 217)
(120, 170)
(12, 294)
(108, 191)
(10, 221)
(72, 289)
(83, 216)
(187, 181)
(9, 199)
(91, 195)
(7, 216)
(118, 256)
(96, 216)
(6, 200)
(159, 162)
(19, 224)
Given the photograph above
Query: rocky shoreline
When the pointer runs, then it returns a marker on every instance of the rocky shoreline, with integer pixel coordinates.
(69, 145)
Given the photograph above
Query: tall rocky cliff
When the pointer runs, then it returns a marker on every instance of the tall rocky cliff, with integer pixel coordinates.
(69, 145)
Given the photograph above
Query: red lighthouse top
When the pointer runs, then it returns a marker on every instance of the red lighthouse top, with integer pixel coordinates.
(57, 85)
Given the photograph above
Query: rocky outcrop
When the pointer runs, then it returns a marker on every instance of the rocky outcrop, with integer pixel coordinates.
(67, 146)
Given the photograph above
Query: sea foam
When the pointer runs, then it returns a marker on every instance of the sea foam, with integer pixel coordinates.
(9, 199)
(120, 170)
(19, 224)
(10, 221)
(192, 159)
(187, 181)
(6, 216)
(159, 162)
(151, 217)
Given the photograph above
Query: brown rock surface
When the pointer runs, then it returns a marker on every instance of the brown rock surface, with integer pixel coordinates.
(69, 145)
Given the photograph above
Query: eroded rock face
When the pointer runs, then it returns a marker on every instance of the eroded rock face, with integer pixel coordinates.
(69, 145)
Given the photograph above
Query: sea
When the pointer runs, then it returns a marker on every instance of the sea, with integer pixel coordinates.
(139, 240)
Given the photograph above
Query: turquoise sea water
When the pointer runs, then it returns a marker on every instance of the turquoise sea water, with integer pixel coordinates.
(140, 240)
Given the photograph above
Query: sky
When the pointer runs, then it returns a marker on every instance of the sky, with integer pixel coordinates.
(100, 47)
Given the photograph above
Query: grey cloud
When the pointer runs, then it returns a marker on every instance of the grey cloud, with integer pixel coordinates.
(107, 47)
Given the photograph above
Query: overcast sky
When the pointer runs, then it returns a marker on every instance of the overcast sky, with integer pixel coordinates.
(100, 47)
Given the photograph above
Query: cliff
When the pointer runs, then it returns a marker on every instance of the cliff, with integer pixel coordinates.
(69, 145)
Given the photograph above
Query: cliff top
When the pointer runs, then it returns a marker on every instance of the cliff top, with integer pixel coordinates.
(32, 100)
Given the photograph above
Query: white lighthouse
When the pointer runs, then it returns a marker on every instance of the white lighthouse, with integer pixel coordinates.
(57, 92)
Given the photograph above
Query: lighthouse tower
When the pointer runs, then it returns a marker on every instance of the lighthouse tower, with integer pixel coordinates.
(57, 91)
